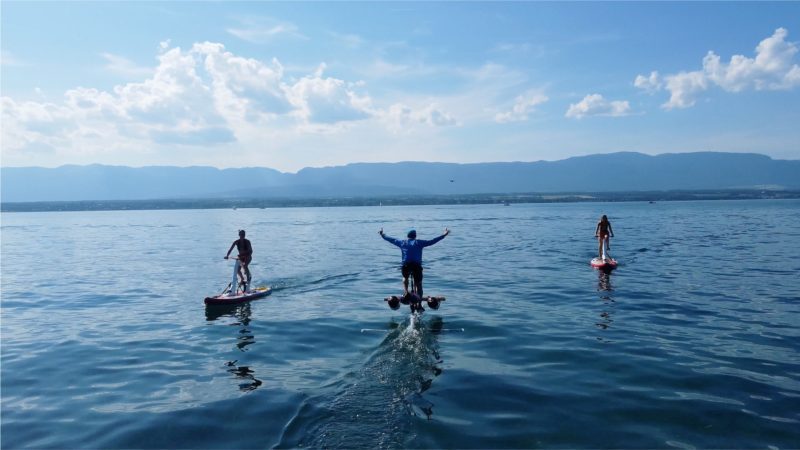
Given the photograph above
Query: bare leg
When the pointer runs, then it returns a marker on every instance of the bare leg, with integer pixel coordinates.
(600, 247)
(405, 286)
(242, 279)
(247, 272)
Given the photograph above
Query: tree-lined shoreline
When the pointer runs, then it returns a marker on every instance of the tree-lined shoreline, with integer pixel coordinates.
(402, 200)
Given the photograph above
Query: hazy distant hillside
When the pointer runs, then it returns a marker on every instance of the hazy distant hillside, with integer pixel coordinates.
(595, 173)
(98, 182)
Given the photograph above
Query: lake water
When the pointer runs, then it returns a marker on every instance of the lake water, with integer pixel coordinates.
(694, 341)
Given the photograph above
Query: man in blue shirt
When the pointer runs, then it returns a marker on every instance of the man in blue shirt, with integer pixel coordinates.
(411, 249)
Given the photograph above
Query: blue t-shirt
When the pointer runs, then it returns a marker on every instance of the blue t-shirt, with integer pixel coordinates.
(412, 248)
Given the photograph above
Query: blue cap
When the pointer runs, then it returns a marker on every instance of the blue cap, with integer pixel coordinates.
(412, 233)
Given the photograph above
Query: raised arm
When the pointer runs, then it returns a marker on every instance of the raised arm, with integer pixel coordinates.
(436, 239)
(390, 239)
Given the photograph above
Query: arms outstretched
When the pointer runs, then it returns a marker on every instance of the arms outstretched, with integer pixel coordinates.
(424, 242)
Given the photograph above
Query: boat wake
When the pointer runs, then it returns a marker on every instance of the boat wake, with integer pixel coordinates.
(378, 404)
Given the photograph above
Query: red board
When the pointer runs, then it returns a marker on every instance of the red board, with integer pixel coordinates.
(607, 263)
(239, 298)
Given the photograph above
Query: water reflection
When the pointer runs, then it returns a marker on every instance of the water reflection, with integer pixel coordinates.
(604, 283)
(241, 313)
(606, 293)
(214, 312)
(244, 372)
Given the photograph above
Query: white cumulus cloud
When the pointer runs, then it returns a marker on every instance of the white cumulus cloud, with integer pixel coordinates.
(596, 105)
(523, 105)
(244, 89)
(200, 98)
(326, 100)
(772, 68)
(683, 88)
(650, 84)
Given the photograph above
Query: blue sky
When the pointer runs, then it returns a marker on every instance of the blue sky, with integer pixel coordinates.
(300, 84)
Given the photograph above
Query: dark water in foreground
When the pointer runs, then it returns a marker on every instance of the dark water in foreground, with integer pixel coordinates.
(692, 342)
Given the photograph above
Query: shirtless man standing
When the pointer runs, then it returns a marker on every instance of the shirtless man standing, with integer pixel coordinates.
(245, 256)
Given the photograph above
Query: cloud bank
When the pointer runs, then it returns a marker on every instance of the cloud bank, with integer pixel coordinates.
(203, 96)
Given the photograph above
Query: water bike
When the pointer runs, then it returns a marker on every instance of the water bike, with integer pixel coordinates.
(413, 299)
(238, 292)
(606, 262)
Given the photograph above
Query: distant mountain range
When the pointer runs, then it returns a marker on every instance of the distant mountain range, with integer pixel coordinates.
(615, 172)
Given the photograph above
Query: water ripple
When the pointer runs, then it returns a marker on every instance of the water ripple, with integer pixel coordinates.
(691, 343)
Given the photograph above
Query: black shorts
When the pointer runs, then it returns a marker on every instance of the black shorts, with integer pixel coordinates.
(411, 267)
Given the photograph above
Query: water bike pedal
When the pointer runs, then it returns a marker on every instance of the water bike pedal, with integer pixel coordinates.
(395, 301)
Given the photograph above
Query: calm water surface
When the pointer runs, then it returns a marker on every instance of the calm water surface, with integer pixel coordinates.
(692, 342)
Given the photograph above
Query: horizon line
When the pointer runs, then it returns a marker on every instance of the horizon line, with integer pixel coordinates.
(400, 162)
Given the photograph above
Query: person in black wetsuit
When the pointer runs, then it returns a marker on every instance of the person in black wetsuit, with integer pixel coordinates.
(245, 256)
